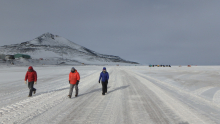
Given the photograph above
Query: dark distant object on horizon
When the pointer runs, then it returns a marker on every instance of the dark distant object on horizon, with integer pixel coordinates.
(189, 66)
(9, 57)
(159, 65)
(2, 56)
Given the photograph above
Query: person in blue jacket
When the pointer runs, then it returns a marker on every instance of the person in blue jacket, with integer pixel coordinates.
(104, 76)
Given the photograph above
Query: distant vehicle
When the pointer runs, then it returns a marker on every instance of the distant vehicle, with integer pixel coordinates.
(41, 59)
(151, 65)
(164, 66)
(169, 65)
(189, 65)
(180, 65)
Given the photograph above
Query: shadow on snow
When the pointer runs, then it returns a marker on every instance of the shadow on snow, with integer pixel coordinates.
(100, 89)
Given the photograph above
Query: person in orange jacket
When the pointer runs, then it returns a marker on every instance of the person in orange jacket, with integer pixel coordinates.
(74, 78)
(31, 76)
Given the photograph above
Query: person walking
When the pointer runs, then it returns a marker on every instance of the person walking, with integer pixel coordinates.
(104, 76)
(31, 76)
(74, 79)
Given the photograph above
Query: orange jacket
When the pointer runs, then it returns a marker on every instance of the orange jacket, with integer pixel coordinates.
(74, 77)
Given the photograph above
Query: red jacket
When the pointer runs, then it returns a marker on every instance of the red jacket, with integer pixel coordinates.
(74, 77)
(31, 76)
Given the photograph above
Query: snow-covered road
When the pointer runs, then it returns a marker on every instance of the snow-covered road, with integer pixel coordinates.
(136, 95)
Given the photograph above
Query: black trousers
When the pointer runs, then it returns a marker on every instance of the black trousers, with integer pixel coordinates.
(104, 87)
(31, 87)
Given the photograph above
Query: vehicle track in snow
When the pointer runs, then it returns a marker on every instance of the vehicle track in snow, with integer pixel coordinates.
(133, 98)
(30, 108)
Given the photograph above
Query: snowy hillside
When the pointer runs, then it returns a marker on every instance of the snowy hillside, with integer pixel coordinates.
(54, 47)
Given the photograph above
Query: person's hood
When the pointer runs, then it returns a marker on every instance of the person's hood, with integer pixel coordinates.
(31, 68)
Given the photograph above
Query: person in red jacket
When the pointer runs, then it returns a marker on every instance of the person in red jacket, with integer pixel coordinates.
(31, 76)
(74, 78)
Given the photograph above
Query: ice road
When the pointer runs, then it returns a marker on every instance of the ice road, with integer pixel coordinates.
(136, 95)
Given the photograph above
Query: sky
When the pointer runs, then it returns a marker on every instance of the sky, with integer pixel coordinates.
(176, 32)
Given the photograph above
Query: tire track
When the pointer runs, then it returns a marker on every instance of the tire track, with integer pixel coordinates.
(180, 108)
(147, 104)
(28, 109)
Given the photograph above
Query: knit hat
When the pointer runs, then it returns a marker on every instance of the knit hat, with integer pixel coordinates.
(104, 68)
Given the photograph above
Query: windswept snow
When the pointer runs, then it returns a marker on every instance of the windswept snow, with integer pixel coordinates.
(136, 95)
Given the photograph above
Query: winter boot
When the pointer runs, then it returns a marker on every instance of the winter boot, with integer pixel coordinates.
(35, 91)
(69, 96)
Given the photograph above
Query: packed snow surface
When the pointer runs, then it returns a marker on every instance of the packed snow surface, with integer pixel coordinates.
(136, 95)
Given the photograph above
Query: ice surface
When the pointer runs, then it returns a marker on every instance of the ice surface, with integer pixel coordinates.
(136, 94)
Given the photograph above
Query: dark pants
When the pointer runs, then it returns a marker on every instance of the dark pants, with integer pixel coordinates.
(31, 87)
(104, 87)
(71, 89)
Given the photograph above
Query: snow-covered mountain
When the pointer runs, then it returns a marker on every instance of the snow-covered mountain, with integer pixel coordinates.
(53, 47)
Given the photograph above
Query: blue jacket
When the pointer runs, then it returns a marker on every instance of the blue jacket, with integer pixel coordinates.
(104, 76)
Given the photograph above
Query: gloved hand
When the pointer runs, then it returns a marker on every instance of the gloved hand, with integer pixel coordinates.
(25, 82)
(77, 82)
(35, 82)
